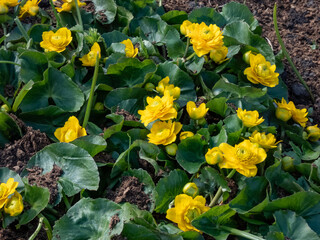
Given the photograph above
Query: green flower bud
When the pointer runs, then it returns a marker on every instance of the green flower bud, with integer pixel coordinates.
(246, 57)
(171, 149)
(149, 87)
(287, 164)
(191, 189)
(4, 108)
(98, 106)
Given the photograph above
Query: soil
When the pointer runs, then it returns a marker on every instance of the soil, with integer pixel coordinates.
(104, 157)
(48, 180)
(299, 25)
(130, 190)
(127, 116)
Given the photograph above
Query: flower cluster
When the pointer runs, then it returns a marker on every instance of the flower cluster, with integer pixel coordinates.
(68, 5)
(205, 39)
(30, 8)
(56, 42)
(5, 4)
(12, 204)
(164, 85)
(70, 131)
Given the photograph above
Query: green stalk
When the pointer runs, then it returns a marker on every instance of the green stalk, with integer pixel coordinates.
(4, 35)
(187, 47)
(47, 227)
(9, 62)
(33, 236)
(66, 201)
(4, 100)
(79, 14)
(21, 28)
(219, 192)
(286, 54)
(191, 56)
(241, 233)
(58, 19)
(93, 85)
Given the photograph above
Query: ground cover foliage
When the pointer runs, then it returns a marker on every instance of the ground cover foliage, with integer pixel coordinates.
(159, 125)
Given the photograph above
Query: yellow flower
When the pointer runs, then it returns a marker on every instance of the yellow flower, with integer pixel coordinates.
(265, 141)
(158, 108)
(204, 38)
(68, 5)
(14, 206)
(219, 55)
(249, 118)
(191, 189)
(185, 134)
(313, 133)
(242, 157)
(30, 8)
(70, 131)
(56, 42)
(89, 59)
(164, 85)
(10, 3)
(184, 27)
(164, 132)
(299, 116)
(185, 210)
(196, 113)
(261, 71)
(214, 156)
(130, 50)
(6, 189)
(3, 8)
(284, 110)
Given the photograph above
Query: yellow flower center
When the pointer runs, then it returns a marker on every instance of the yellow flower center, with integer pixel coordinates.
(191, 214)
(244, 155)
(34, 10)
(263, 70)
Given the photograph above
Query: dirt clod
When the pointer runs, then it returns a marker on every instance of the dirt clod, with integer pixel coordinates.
(127, 116)
(114, 221)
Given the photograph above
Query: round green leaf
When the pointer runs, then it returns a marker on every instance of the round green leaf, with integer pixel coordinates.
(208, 16)
(106, 7)
(93, 144)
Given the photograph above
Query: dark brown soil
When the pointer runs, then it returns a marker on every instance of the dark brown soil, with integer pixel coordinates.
(299, 25)
(234, 189)
(25, 231)
(15, 156)
(127, 116)
(104, 157)
(48, 180)
(130, 190)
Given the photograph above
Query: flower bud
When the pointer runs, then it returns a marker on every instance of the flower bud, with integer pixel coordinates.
(283, 114)
(14, 206)
(4, 108)
(214, 156)
(3, 9)
(98, 106)
(313, 133)
(191, 189)
(287, 164)
(172, 149)
(246, 57)
(149, 87)
(185, 135)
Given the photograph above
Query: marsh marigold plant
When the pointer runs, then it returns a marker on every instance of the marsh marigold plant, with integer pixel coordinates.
(164, 85)
(130, 50)
(195, 112)
(70, 131)
(30, 8)
(6, 189)
(68, 5)
(89, 60)
(313, 133)
(186, 208)
(243, 157)
(14, 206)
(164, 133)
(261, 71)
(158, 108)
(249, 118)
(266, 141)
(5, 4)
(56, 42)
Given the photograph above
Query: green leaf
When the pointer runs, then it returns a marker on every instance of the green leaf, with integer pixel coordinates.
(222, 137)
(218, 106)
(6, 173)
(56, 87)
(118, 120)
(79, 169)
(114, 37)
(26, 88)
(55, 59)
(213, 179)
(174, 44)
(154, 29)
(179, 79)
(174, 17)
(250, 196)
(210, 221)
(107, 8)
(190, 154)
(234, 12)
(241, 33)
(168, 188)
(37, 198)
(149, 152)
(196, 65)
(89, 219)
(35, 32)
(93, 144)
(294, 227)
(208, 16)
(9, 130)
(7, 71)
(33, 65)
(192, 235)
(129, 72)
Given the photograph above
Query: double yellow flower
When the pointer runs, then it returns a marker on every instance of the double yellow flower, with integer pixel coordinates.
(56, 42)
(12, 205)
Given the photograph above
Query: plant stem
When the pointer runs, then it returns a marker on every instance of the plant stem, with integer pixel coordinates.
(4, 35)
(47, 225)
(79, 14)
(4, 100)
(286, 54)
(66, 201)
(191, 56)
(219, 192)
(187, 47)
(33, 236)
(58, 19)
(21, 28)
(93, 86)
(241, 233)
(9, 62)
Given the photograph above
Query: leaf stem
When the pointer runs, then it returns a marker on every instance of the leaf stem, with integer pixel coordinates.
(47, 227)
(286, 54)
(33, 236)
(9, 62)
(58, 19)
(65, 200)
(219, 192)
(187, 47)
(78, 14)
(191, 56)
(4, 35)
(22, 29)
(93, 86)
(241, 233)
